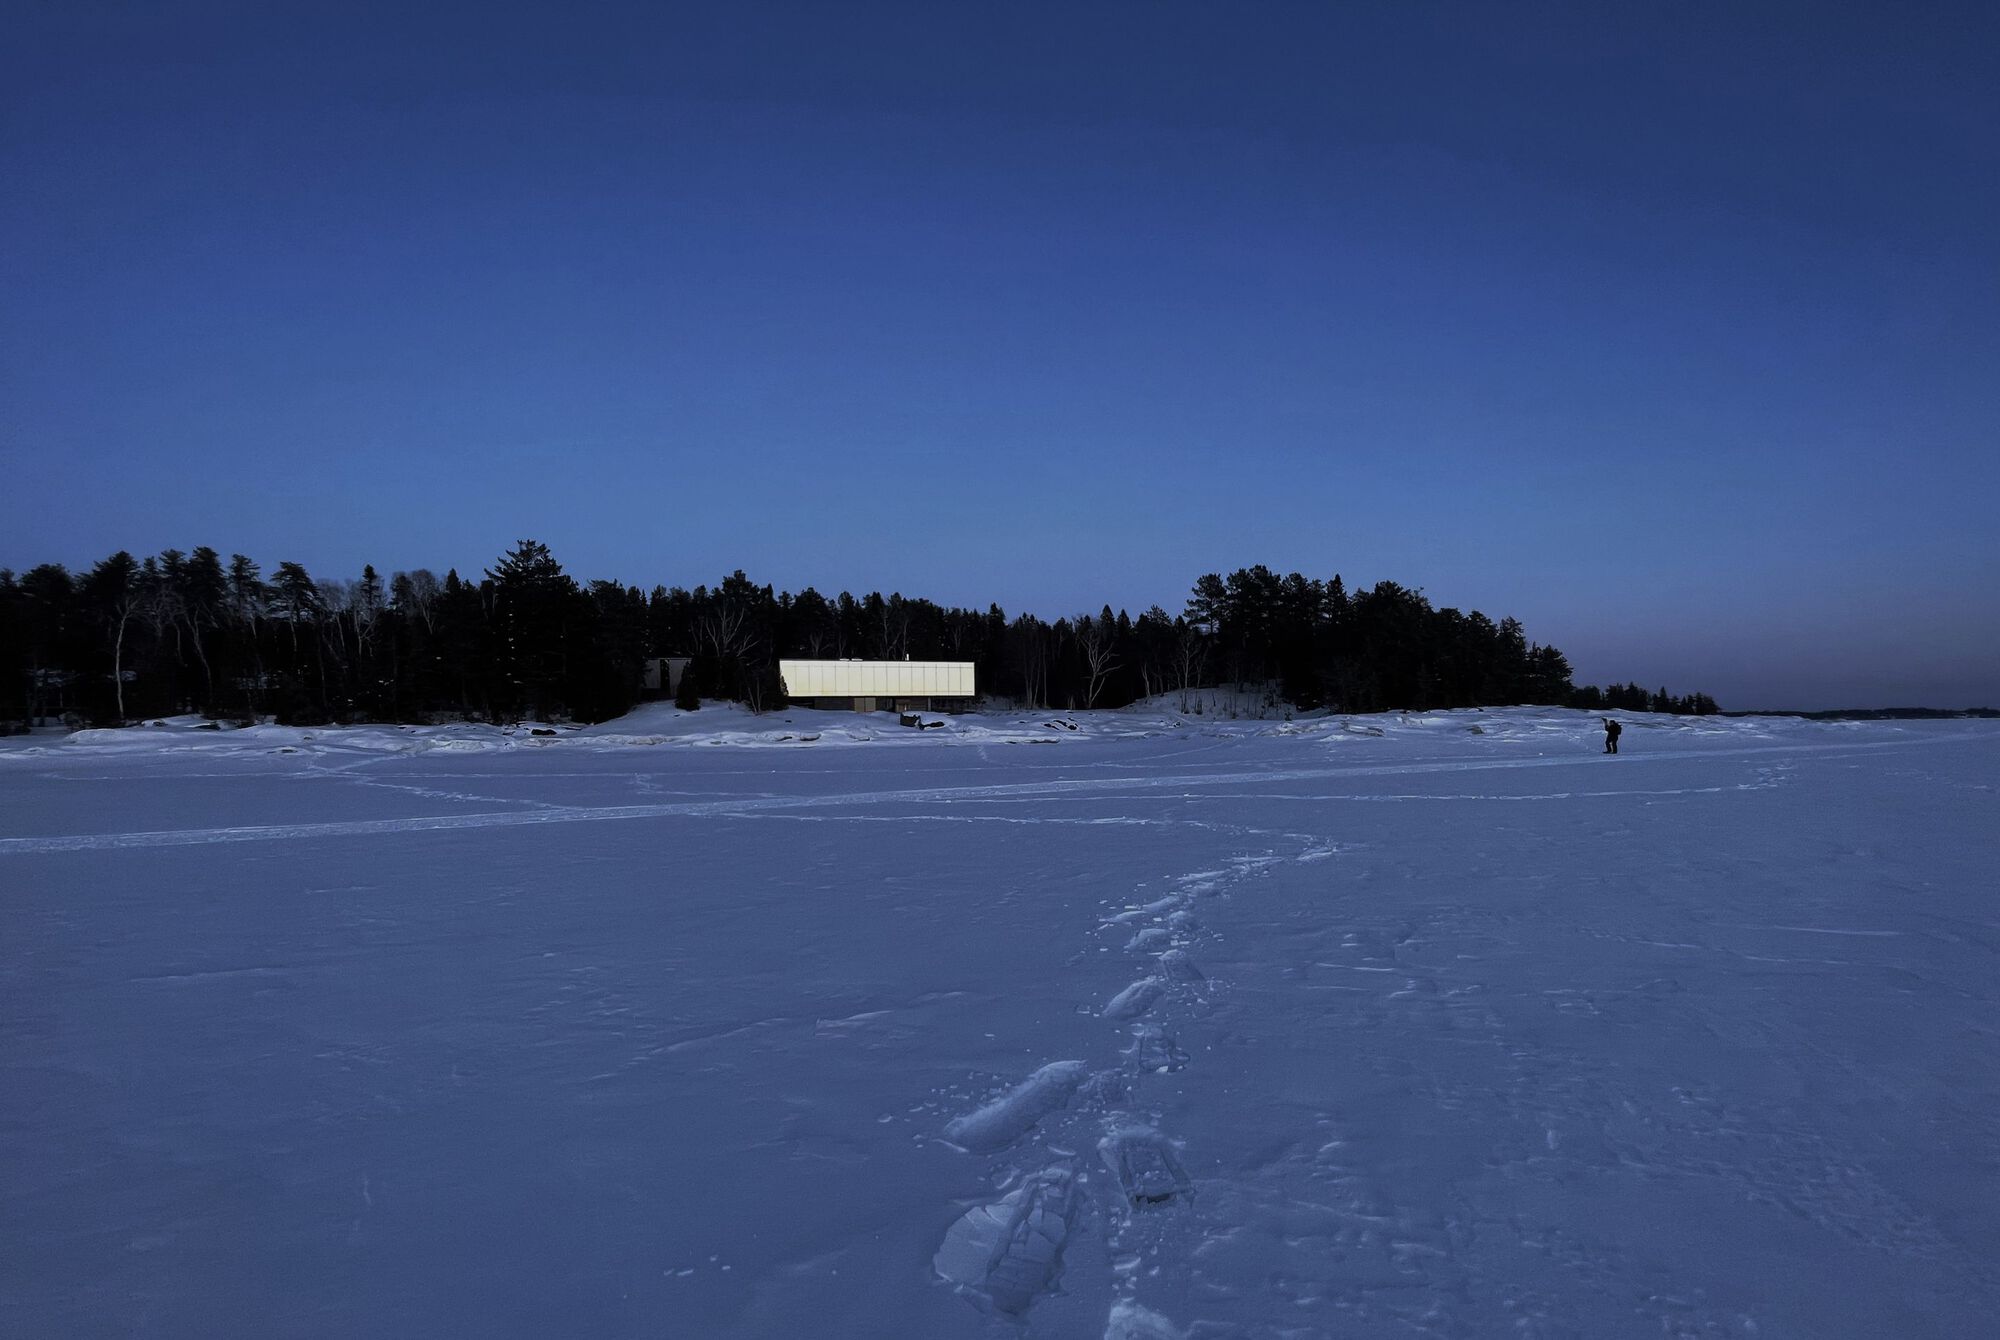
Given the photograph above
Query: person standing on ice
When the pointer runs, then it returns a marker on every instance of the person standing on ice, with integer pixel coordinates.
(1611, 732)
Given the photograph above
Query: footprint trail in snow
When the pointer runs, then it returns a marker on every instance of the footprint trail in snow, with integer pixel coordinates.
(1119, 1180)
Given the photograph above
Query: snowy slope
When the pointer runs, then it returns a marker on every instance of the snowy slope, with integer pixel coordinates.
(1119, 1025)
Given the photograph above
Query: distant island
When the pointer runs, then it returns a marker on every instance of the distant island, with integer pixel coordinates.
(189, 632)
(1878, 713)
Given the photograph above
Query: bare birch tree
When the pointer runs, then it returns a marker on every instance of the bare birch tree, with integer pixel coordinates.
(1190, 656)
(1097, 640)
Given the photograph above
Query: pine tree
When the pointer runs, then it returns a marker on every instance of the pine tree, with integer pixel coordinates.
(13, 670)
(532, 609)
(47, 598)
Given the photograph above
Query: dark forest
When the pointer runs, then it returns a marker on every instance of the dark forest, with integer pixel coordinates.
(190, 632)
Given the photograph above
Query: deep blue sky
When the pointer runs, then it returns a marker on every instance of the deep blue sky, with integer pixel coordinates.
(1672, 330)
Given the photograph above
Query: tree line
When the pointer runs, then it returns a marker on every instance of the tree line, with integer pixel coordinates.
(189, 632)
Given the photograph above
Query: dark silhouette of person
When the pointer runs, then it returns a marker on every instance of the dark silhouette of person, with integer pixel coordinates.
(1611, 732)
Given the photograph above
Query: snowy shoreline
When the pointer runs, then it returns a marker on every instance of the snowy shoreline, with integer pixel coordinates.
(731, 726)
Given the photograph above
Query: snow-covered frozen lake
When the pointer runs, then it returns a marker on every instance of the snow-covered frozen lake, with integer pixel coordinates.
(1441, 1025)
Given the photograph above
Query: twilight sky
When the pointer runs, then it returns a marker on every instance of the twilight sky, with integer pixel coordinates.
(1672, 330)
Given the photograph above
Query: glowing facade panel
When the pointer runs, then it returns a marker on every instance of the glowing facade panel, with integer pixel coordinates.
(877, 679)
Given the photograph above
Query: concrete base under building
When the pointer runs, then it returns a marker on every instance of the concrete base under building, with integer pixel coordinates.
(954, 706)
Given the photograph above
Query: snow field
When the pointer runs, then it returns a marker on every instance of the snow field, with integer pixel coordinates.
(1342, 1027)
